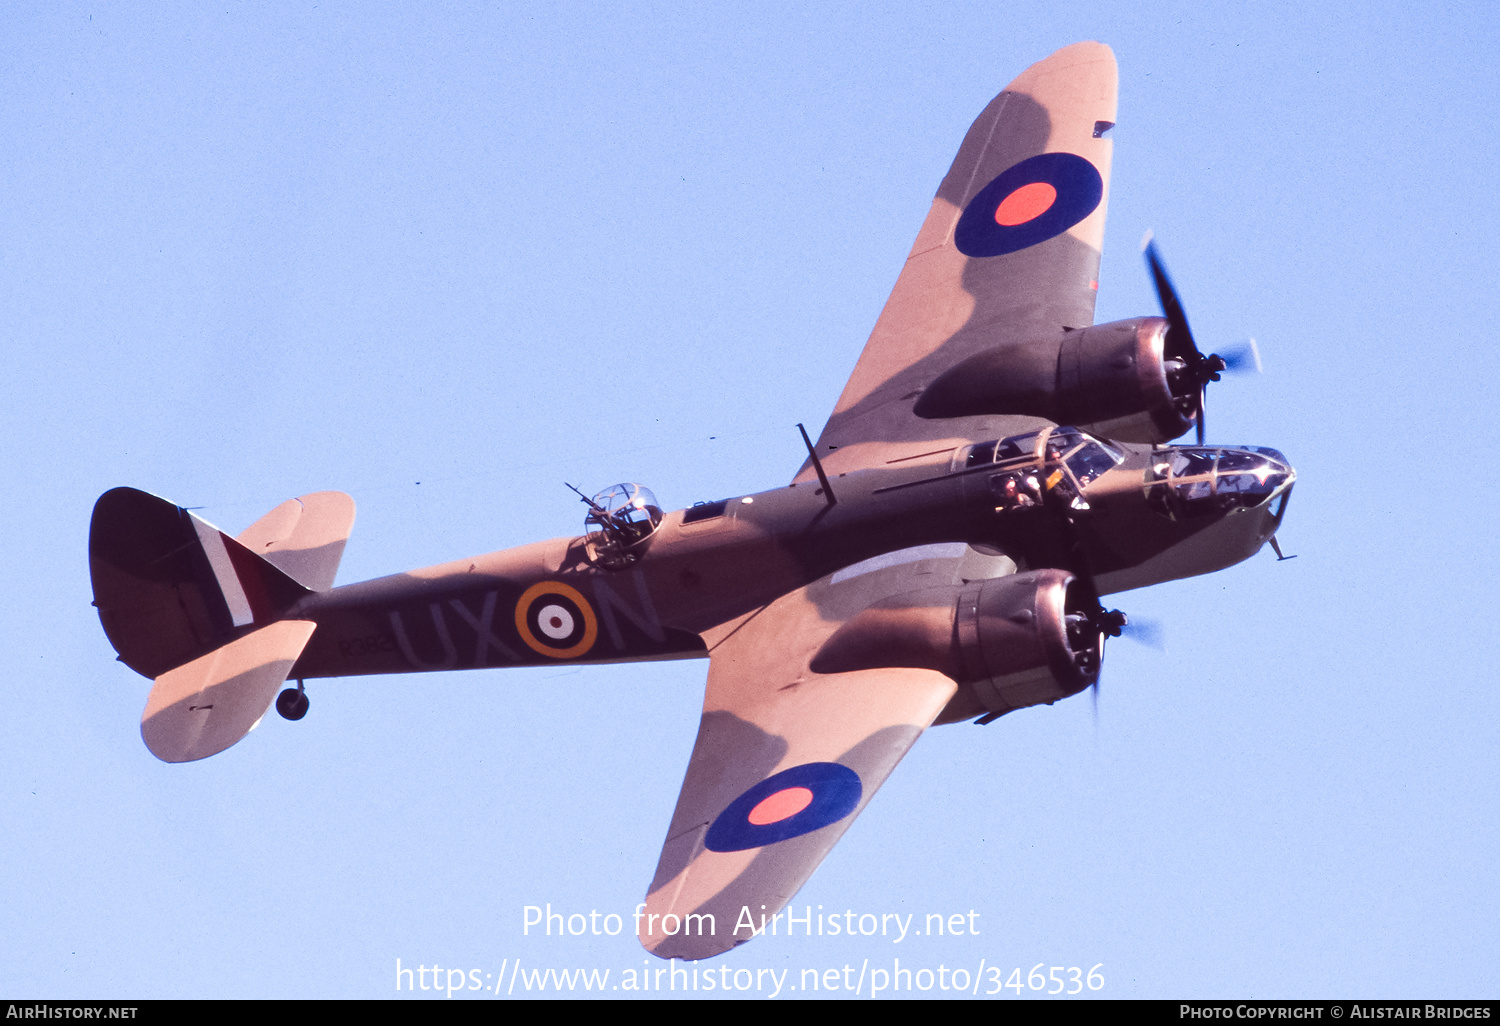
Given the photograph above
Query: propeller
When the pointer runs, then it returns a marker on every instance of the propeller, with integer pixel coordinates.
(1096, 623)
(1195, 370)
(1150, 633)
(1090, 622)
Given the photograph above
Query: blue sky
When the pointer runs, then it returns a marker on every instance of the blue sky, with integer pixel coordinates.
(446, 261)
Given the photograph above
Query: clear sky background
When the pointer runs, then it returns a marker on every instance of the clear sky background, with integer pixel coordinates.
(446, 260)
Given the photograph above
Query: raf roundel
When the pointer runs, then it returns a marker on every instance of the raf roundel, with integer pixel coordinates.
(1029, 202)
(556, 620)
(789, 804)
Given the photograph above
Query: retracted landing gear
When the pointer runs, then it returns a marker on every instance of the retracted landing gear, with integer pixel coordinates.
(292, 703)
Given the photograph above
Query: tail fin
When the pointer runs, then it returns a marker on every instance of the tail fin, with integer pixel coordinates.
(171, 587)
(204, 706)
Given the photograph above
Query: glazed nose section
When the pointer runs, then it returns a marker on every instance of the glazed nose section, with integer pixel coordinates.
(1193, 482)
(1253, 476)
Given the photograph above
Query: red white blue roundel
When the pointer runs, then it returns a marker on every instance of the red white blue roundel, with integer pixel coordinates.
(791, 803)
(1028, 203)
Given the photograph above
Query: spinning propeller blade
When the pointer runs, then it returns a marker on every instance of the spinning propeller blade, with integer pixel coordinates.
(1147, 632)
(1197, 370)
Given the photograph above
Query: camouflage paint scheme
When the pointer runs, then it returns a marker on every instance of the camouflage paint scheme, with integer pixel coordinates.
(837, 627)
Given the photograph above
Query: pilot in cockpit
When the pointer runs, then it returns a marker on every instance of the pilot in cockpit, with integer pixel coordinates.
(1014, 493)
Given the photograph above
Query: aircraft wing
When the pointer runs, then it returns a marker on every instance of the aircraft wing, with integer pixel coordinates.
(1009, 253)
(784, 761)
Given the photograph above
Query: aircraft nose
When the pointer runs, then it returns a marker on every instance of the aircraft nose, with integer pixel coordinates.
(1198, 481)
(1274, 455)
(1253, 476)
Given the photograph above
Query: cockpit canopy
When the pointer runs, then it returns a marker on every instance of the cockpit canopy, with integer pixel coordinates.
(618, 522)
(1189, 482)
(1064, 459)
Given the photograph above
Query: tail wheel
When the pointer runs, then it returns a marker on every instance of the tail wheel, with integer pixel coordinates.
(292, 703)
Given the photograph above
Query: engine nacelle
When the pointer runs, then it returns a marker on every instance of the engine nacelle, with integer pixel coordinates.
(1017, 643)
(1008, 641)
(1111, 379)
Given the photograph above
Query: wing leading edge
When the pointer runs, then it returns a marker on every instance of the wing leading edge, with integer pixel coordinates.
(1009, 253)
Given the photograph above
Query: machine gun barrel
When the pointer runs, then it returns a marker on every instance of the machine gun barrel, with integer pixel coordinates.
(591, 503)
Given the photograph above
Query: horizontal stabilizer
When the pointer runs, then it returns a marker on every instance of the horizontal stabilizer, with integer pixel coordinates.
(203, 707)
(304, 537)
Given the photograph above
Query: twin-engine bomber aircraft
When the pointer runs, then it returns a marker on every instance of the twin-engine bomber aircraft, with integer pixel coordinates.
(994, 465)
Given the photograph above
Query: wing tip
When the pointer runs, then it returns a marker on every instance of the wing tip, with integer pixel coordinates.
(1082, 71)
(1087, 51)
